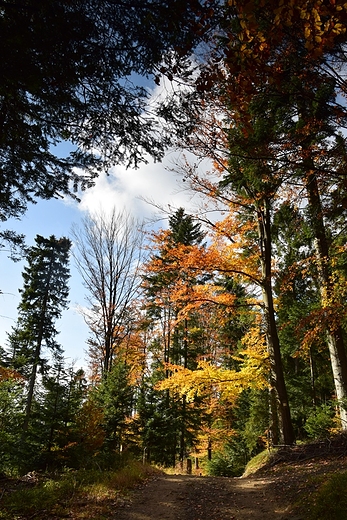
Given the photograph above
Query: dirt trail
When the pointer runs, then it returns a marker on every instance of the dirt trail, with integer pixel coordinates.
(183, 497)
(280, 491)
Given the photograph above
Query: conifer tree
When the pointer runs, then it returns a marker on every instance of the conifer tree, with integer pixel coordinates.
(11, 415)
(114, 396)
(59, 401)
(68, 74)
(43, 298)
(182, 231)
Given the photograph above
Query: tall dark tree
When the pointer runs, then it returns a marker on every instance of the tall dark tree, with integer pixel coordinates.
(43, 298)
(68, 73)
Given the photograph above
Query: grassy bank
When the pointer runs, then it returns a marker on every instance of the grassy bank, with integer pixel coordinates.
(82, 494)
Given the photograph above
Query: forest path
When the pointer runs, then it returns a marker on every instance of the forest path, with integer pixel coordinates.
(183, 497)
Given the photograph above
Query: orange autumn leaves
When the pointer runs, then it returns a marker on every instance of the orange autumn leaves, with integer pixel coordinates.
(195, 273)
(259, 38)
(320, 22)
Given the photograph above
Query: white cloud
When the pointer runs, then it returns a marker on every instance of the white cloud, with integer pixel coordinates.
(130, 189)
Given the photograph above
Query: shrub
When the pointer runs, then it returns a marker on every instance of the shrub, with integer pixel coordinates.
(56, 496)
(229, 462)
(320, 422)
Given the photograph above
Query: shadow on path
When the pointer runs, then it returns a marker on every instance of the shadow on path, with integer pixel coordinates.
(183, 497)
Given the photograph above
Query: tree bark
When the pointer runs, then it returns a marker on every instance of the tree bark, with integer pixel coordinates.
(334, 335)
(272, 339)
(39, 340)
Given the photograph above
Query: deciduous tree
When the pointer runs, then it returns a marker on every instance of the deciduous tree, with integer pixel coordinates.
(108, 256)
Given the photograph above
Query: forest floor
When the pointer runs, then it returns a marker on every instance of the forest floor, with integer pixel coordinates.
(280, 491)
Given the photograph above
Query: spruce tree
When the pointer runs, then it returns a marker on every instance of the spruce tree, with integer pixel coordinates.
(184, 230)
(43, 298)
(57, 405)
(114, 396)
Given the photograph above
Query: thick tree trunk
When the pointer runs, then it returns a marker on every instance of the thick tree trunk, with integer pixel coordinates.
(272, 340)
(274, 427)
(334, 335)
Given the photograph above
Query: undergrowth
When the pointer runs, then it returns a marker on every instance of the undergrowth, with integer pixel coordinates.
(330, 500)
(89, 493)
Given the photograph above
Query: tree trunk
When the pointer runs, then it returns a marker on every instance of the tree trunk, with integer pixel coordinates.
(209, 450)
(37, 349)
(274, 430)
(335, 341)
(272, 340)
(183, 430)
(54, 417)
(32, 381)
(313, 379)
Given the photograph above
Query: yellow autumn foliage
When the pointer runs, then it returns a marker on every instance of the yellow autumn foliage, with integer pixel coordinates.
(209, 379)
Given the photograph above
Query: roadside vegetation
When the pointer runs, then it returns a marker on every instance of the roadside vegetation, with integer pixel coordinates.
(81, 494)
(311, 477)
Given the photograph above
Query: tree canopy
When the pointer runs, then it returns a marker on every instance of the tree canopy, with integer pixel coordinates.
(70, 74)
(230, 335)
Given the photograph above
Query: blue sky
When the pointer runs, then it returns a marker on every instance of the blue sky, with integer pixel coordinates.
(124, 189)
(45, 218)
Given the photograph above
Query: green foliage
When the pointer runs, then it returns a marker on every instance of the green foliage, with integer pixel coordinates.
(56, 495)
(11, 421)
(258, 461)
(54, 427)
(114, 396)
(256, 421)
(168, 426)
(229, 462)
(184, 230)
(74, 86)
(49, 443)
(330, 501)
(320, 421)
(158, 425)
(44, 297)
